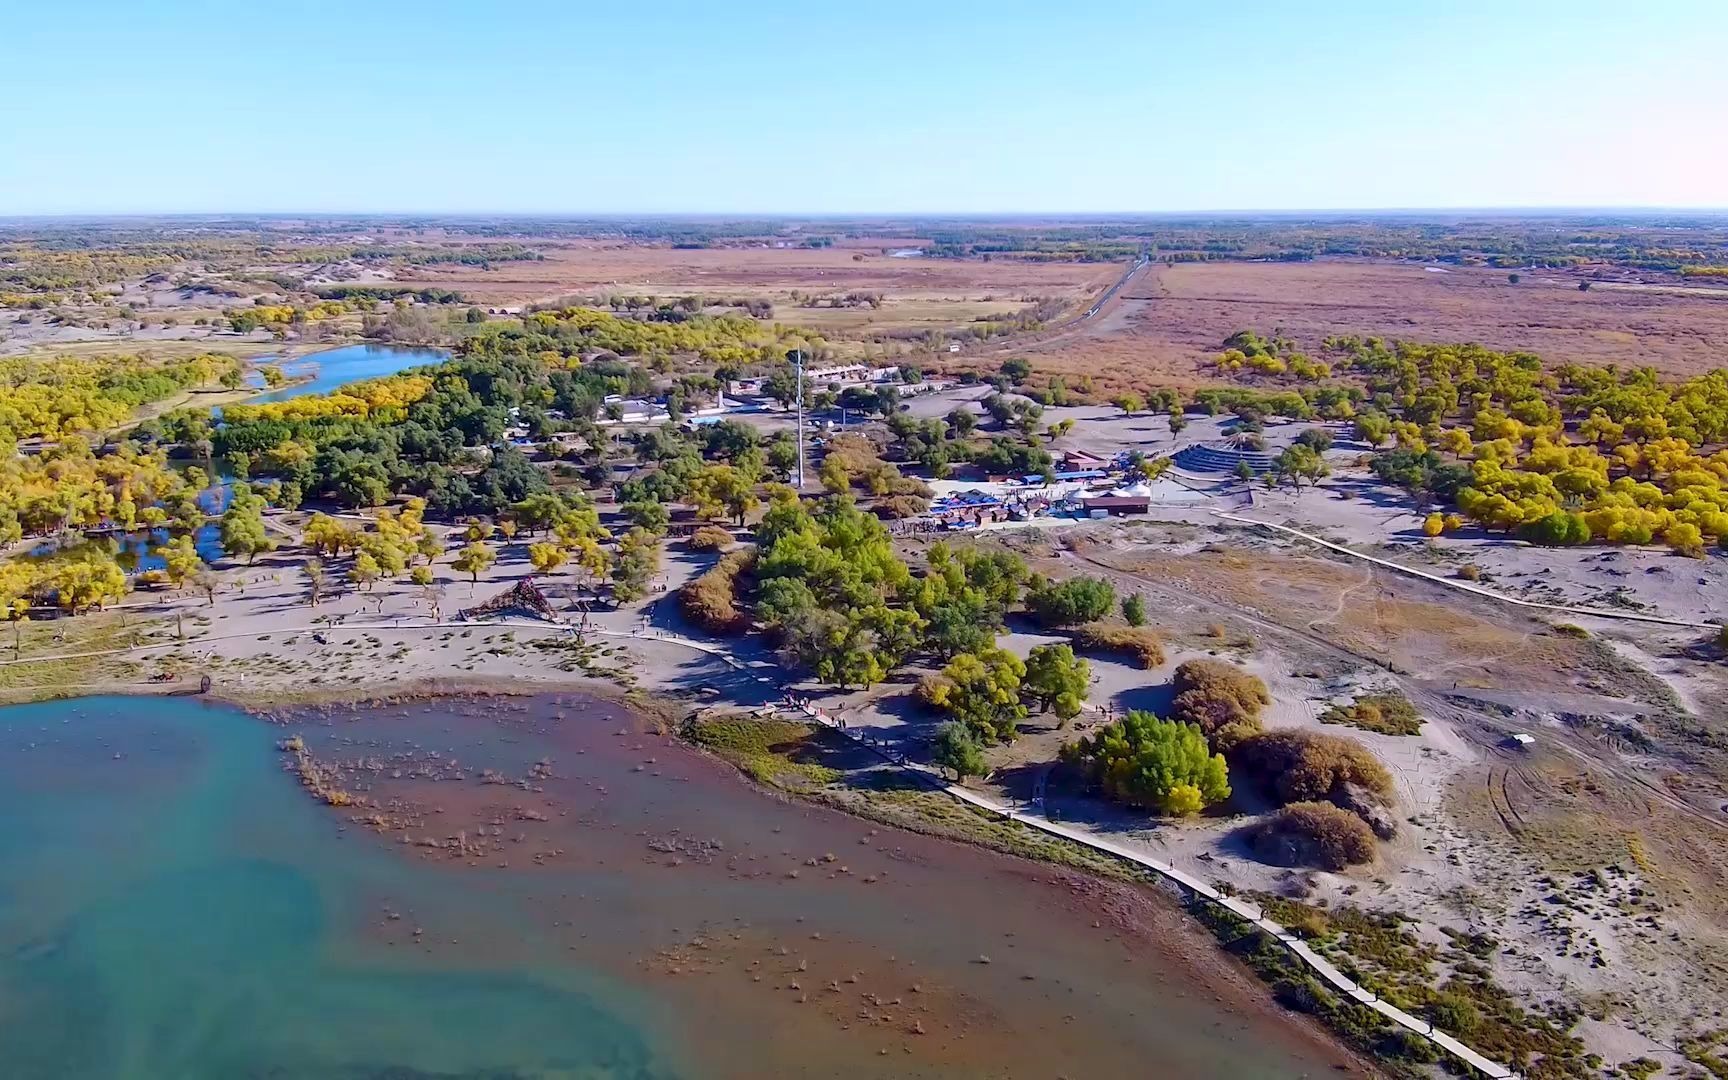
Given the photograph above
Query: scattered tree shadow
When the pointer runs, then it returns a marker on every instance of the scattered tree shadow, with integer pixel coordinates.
(1154, 698)
(1017, 782)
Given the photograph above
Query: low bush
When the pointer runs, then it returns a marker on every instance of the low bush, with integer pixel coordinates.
(1386, 714)
(1222, 700)
(710, 600)
(1140, 643)
(902, 506)
(1308, 766)
(1314, 834)
(710, 538)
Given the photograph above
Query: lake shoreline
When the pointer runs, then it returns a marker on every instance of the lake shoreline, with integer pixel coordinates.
(1139, 904)
(1146, 910)
(262, 664)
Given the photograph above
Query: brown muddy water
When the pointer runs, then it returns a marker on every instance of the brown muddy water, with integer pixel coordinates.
(546, 888)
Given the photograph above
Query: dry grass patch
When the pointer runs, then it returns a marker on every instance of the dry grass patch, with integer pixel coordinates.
(765, 750)
(1169, 324)
(1389, 713)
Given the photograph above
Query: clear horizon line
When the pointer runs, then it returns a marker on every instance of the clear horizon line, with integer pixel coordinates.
(751, 215)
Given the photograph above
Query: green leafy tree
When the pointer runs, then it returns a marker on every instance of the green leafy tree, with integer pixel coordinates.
(181, 560)
(1134, 609)
(1160, 765)
(1300, 462)
(637, 562)
(723, 489)
(649, 514)
(242, 530)
(538, 511)
(474, 559)
(840, 648)
(317, 580)
(956, 749)
(1057, 679)
(1068, 603)
(1561, 528)
(982, 691)
(365, 570)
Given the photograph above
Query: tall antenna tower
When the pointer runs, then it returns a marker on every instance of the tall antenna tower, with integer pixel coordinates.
(797, 358)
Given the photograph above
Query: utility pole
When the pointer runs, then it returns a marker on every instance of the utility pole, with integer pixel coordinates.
(797, 358)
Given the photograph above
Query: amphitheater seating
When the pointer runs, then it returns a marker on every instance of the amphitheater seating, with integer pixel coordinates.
(1221, 459)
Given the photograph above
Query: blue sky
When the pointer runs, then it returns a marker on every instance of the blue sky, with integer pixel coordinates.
(179, 106)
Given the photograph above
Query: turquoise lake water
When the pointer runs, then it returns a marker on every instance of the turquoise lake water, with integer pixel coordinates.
(333, 368)
(183, 910)
(546, 888)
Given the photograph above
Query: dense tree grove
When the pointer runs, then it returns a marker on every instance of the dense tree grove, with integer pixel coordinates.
(60, 396)
(939, 444)
(842, 604)
(438, 432)
(68, 486)
(74, 580)
(1557, 455)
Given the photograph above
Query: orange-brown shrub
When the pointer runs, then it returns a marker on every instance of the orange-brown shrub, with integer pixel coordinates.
(710, 538)
(1222, 700)
(710, 600)
(1313, 834)
(1141, 643)
(902, 506)
(1307, 766)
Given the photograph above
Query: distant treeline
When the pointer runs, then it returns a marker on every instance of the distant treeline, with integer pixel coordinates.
(377, 292)
(60, 257)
